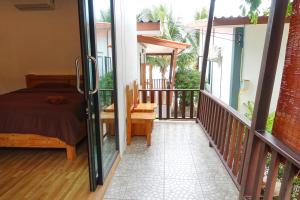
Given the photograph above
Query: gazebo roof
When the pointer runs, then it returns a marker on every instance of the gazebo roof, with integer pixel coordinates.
(154, 45)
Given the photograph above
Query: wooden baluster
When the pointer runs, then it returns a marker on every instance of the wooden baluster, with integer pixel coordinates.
(272, 176)
(232, 143)
(183, 104)
(160, 104)
(227, 138)
(223, 132)
(203, 104)
(176, 104)
(290, 171)
(217, 124)
(168, 103)
(261, 165)
(104, 97)
(152, 96)
(111, 97)
(213, 119)
(201, 108)
(219, 130)
(244, 150)
(238, 148)
(144, 96)
(210, 111)
(205, 111)
(209, 114)
(192, 105)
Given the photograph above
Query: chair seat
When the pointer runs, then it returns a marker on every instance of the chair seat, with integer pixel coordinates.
(143, 116)
(107, 115)
(145, 107)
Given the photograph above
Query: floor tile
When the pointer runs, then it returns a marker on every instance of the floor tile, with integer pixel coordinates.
(117, 188)
(145, 188)
(182, 189)
(178, 165)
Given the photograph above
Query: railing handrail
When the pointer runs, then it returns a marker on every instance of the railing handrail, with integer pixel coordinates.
(146, 90)
(281, 148)
(229, 109)
(157, 79)
(106, 89)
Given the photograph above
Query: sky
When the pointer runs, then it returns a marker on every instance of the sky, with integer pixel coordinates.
(184, 10)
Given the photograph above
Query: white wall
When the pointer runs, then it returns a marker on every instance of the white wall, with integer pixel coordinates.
(127, 66)
(253, 50)
(41, 42)
(221, 72)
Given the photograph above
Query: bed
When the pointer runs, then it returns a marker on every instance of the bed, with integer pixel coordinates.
(48, 113)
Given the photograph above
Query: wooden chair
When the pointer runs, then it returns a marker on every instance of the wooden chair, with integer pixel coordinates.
(136, 96)
(137, 118)
(108, 118)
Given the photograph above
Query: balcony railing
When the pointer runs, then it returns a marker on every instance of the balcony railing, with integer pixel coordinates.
(172, 103)
(228, 132)
(106, 97)
(157, 84)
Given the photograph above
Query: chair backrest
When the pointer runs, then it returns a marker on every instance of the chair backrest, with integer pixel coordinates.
(129, 102)
(136, 97)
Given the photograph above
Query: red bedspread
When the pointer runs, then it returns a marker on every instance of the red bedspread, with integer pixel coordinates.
(29, 111)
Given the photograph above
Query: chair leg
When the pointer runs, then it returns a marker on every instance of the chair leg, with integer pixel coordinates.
(148, 131)
(128, 130)
(112, 128)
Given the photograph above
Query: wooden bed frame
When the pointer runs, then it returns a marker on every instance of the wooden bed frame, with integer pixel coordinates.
(32, 140)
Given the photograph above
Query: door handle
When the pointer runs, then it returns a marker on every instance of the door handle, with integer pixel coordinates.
(93, 59)
(78, 75)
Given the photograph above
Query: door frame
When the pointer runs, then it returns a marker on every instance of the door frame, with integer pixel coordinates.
(93, 128)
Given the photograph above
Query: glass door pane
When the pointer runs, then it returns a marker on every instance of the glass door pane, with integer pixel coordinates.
(89, 65)
(104, 34)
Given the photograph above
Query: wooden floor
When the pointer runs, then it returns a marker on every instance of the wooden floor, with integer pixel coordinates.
(43, 174)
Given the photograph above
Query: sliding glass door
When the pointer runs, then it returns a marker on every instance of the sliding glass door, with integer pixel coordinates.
(99, 75)
(105, 51)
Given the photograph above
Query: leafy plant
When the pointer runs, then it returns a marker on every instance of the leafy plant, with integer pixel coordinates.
(249, 113)
(251, 9)
(187, 78)
(163, 62)
(105, 16)
(106, 82)
(202, 14)
(172, 30)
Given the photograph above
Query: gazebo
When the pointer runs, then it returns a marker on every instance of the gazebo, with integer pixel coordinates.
(154, 46)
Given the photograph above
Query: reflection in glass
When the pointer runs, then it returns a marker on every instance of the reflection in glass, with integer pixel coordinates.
(106, 81)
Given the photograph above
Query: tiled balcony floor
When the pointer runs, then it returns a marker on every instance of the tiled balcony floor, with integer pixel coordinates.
(179, 165)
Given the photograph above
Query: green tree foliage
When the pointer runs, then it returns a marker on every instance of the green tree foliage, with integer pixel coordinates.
(187, 78)
(251, 9)
(190, 56)
(162, 61)
(172, 30)
(202, 14)
(105, 16)
(249, 113)
(106, 82)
